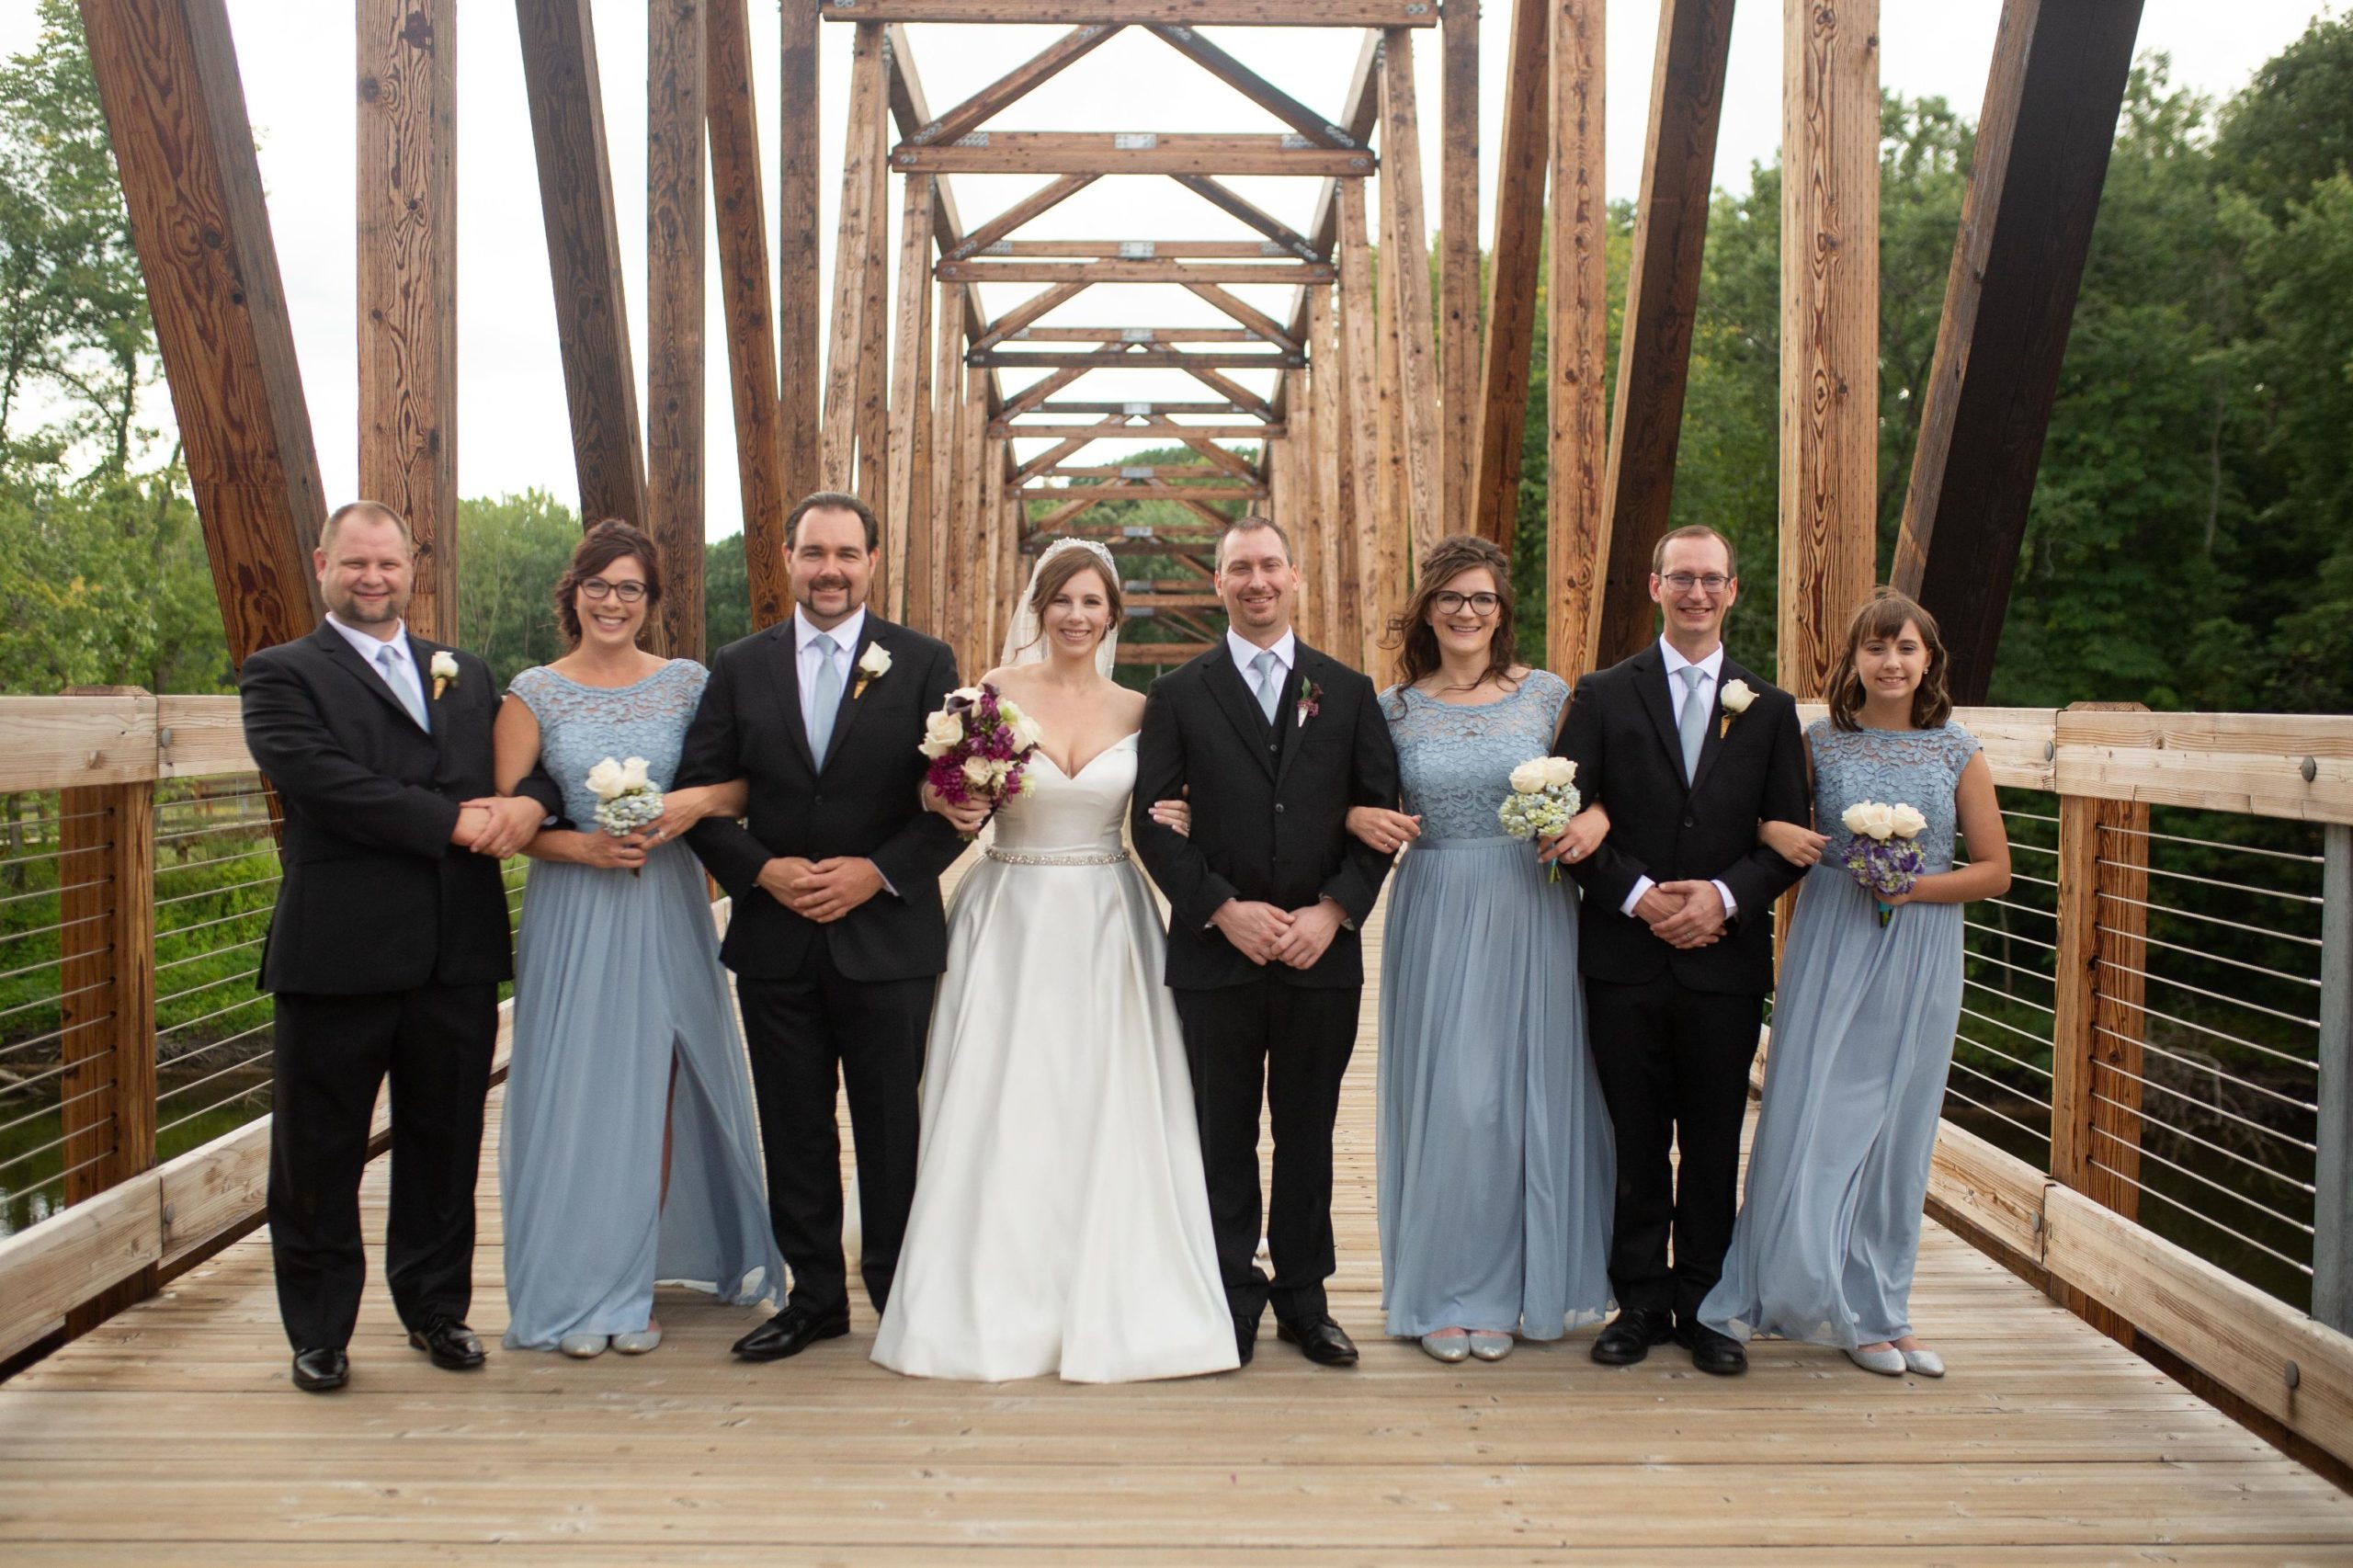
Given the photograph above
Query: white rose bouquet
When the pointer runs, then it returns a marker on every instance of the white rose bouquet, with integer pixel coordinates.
(1544, 798)
(980, 745)
(1883, 851)
(626, 800)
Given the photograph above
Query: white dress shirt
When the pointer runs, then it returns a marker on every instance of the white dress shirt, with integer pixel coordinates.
(1285, 652)
(807, 654)
(370, 649)
(1678, 692)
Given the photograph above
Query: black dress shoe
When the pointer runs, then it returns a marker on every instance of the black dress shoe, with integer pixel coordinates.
(1245, 1338)
(1712, 1352)
(1321, 1340)
(316, 1371)
(453, 1346)
(1631, 1334)
(790, 1332)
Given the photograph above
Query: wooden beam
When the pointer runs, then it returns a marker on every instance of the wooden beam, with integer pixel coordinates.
(1201, 13)
(1200, 370)
(947, 399)
(1047, 197)
(409, 286)
(799, 318)
(1829, 467)
(1234, 463)
(1234, 204)
(1662, 294)
(860, 233)
(1359, 118)
(1162, 654)
(1577, 527)
(2043, 136)
(676, 105)
(1155, 359)
(1067, 447)
(911, 111)
(1406, 285)
(176, 113)
(1069, 406)
(1143, 250)
(1334, 565)
(1031, 397)
(1133, 470)
(584, 257)
(910, 390)
(1015, 84)
(1144, 492)
(1150, 431)
(743, 285)
(1457, 262)
(1183, 272)
(1514, 266)
(1197, 48)
(873, 417)
(1258, 321)
(1147, 335)
(1360, 364)
(1028, 310)
(1128, 153)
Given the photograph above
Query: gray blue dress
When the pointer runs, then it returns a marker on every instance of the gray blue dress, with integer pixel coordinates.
(1863, 1026)
(616, 977)
(1496, 1167)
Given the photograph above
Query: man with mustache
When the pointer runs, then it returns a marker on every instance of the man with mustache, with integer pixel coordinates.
(838, 938)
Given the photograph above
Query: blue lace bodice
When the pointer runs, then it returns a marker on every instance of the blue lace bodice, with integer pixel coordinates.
(582, 725)
(1456, 762)
(1920, 768)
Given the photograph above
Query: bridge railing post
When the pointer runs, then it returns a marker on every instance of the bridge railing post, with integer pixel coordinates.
(2332, 1202)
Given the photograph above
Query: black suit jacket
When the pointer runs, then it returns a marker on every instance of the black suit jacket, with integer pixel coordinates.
(375, 897)
(861, 799)
(1270, 806)
(1620, 732)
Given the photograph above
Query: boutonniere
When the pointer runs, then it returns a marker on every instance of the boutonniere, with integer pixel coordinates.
(1311, 702)
(445, 672)
(1737, 696)
(872, 665)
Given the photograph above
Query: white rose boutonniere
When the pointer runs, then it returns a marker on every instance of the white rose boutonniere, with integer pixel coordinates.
(1736, 697)
(872, 665)
(445, 672)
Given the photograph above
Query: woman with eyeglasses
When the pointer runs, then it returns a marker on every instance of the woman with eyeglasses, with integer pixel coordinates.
(629, 1153)
(1495, 1164)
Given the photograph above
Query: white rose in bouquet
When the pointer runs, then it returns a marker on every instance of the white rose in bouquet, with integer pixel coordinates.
(1870, 818)
(1559, 772)
(1907, 821)
(633, 775)
(941, 733)
(979, 772)
(605, 781)
(1529, 777)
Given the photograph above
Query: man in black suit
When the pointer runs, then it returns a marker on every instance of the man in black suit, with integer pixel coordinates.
(838, 938)
(1687, 751)
(1273, 742)
(387, 947)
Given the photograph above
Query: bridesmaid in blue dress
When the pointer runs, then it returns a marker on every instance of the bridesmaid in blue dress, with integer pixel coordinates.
(629, 1153)
(1496, 1167)
(1863, 1023)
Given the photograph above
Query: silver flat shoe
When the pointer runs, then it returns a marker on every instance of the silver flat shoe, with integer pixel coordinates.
(1887, 1363)
(1924, 1363)
(582, 1347)
(1448, 1347)
(1489, 1345)
(638, 1344)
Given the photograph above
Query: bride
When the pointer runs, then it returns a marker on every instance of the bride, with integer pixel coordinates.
(1061, 1221)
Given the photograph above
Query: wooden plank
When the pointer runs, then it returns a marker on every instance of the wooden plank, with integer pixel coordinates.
(1336, 567)
(1359, 364)
(1067, 446)
(1196, 13)
(64, 742)
(1128, 153)
(1043, 200)
(1406, 285)
(1018, 318)
(1359, 118)
(1144, 492)
(584, 255)
(1829, 425)
(873, 418)
(196, 736)
(1150, 430)
(1577, 547)
(800, 321)
(973, 652)
(1017, 83)
(860, 233)
(2212, 762)
(1389, 577)
(909, 394)
(212, 1189)
(1067, 406)
(1998, 1195)
(1184, 250)
(1184, 272)
(947, 396)
(1197, 48)
(409, 286)
(2332, 1053)
(2075, 990)
(2050, 117)
(1231, 463)
(1255, 319)
(1241, 397)
(1032, 398)
(1662, 295)
(743, 285)
(676, 105)
(1510, 333)
(1458, 261)
(66, 1259)
(1158, 653)
(1133, 470)
(2118, 1024)
(166, 74)
(1231, 202)
(1140, 355)
(1152, 334)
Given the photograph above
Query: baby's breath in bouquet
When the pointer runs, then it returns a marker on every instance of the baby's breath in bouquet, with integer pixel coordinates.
(626, 800)
(1544, 798)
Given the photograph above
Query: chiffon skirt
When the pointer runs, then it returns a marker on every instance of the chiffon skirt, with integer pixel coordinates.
(616, 977)
(1497, 1172)
(1863, 1026)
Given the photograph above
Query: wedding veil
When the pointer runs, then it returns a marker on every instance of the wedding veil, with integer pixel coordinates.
(1025, 641)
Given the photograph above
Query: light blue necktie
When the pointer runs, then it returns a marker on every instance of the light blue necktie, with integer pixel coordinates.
(1694, 726)
(824, 697)
(1269, 682)
(386, 658)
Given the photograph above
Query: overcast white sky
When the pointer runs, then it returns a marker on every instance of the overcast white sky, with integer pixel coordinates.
(297, 60)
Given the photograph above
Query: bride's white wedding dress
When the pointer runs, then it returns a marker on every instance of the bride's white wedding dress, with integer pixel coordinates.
(1061, 1223)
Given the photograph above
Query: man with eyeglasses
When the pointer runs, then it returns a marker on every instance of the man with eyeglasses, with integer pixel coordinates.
(1688, 752)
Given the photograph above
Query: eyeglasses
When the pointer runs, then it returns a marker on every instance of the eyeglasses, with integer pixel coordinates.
(1714, 583)
(597, 589)
(1449, 602)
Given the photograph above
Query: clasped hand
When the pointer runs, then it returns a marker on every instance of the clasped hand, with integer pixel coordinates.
(496, 825)
(1684, 914)
(821, 891)
(1264, 933)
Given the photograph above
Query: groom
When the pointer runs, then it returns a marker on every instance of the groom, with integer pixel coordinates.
(1687, 751)
(836, 936)
(1274, 742)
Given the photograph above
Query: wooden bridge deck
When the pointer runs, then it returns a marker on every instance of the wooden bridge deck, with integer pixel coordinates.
(170, 1436)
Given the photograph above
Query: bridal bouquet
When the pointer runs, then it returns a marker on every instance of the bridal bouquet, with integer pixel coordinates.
(1544, 798)
(979, 744)
(1884, 854)
(626, 800)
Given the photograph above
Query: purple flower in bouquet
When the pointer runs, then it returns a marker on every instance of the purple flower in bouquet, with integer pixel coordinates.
(1883, 853)
(979, 744)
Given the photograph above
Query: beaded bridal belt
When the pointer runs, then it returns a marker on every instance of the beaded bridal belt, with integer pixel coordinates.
(1016, 857)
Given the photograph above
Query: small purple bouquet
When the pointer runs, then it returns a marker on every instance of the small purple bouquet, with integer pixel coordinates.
(1883, 853)
(979, 744)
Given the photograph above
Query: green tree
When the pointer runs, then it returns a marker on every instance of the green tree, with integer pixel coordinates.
(516, 547)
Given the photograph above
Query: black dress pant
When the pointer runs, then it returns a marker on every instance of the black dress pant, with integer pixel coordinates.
(332, 1054)
(808, 1035)
(1673, 1069)
(1285, 1047)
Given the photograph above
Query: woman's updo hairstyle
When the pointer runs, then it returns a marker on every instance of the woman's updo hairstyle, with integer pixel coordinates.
(604, 543)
